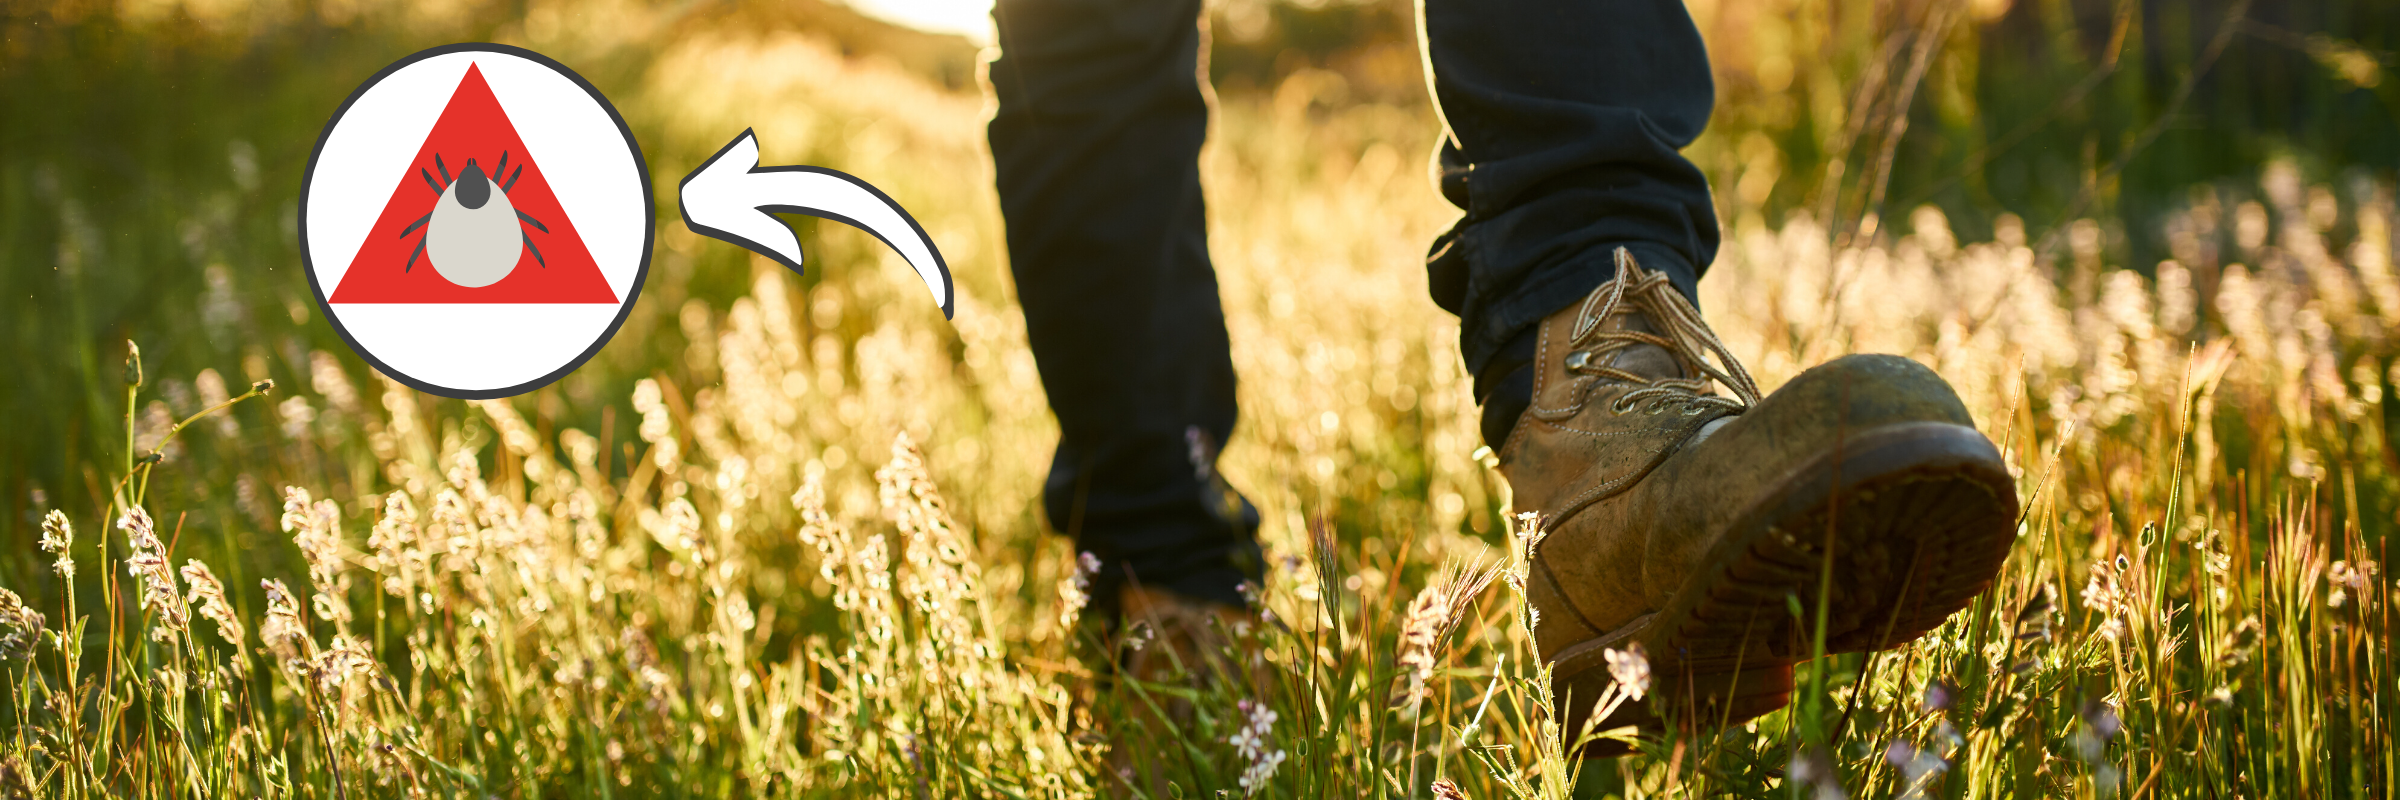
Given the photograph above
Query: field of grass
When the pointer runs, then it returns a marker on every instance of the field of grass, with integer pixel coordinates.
(782, 536)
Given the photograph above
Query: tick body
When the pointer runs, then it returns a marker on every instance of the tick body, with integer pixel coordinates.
(474, 236)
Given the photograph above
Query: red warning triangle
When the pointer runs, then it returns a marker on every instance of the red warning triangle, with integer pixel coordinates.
(474, 126)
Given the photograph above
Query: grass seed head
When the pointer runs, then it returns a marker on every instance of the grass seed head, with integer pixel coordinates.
(325, 375)
(393, 546)
(58, 538)
(1436, 610)
(316, 528)
(282, 632)
(1418, 633)
(57, 533)
(209, 595)
(20, 627)
(342, 660)
(146, 559)
(133, 364)
(140, 531)
(658, 425)
(211, 388)
(297, 416)
(641, 659)
(2106, 597)
(2239, 643)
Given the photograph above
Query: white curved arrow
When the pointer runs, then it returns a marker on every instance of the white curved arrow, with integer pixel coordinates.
(730, 197)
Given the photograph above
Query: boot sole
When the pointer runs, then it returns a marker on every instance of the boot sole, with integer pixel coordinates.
(1917, 519)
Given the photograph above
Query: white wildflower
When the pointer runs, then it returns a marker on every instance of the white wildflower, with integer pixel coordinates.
(1630, 667)
(1075, 591)
(1918, 768)
(2100, 724)
(1813, 768)
(1255, 741)
(2108, 599)
(1939, 694)
(2347, 580)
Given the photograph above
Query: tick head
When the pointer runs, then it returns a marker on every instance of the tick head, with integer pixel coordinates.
(474, 187)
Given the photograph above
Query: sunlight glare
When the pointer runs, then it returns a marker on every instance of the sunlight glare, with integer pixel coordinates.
(968, 18)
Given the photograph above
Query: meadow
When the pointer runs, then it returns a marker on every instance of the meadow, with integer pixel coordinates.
(782, 537)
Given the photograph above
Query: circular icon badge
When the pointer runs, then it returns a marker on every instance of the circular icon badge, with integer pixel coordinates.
(476, 221)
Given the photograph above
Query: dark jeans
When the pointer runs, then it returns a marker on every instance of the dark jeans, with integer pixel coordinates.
(1564, 121)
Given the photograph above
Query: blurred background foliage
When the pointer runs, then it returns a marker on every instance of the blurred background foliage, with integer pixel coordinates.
(151, 153)
(2019, 107)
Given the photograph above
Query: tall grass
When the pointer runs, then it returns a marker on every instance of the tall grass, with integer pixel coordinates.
(785, 542)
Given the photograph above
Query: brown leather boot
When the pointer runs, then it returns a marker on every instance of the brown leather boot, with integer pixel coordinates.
(1165, 634)
(1687, 521)
(1179, 644)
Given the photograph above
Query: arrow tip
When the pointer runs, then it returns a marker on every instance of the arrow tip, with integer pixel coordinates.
(731, 197)
(716, 203)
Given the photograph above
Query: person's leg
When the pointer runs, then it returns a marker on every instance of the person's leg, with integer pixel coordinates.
(1096, 143)
(1675, 520)
(1563, 123)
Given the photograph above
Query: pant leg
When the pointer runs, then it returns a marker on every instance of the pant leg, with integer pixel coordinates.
(1563, 122)
(1096, 143)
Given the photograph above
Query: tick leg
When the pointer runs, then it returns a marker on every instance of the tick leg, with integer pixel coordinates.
(537, 253)
(412, 257)
(412, 227)
(537, 224)
(512, 179)
(502, 168)
(437, 164)
(437, 188)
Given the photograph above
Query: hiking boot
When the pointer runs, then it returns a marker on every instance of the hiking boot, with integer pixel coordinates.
(1688, 521)
(1177, 648)
(1166, 635)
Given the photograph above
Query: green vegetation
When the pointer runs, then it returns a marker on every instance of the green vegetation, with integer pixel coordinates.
(715, 561)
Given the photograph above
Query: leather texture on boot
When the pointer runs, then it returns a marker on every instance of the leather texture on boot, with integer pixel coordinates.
(1687, 521)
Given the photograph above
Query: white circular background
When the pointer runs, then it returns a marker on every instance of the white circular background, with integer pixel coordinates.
(477, 349)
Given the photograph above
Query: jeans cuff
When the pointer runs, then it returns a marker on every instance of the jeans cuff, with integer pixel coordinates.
(1516, 312)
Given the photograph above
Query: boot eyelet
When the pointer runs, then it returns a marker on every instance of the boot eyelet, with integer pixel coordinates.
(1579, 359)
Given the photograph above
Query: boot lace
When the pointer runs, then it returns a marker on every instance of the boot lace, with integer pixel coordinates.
(1682, 334)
